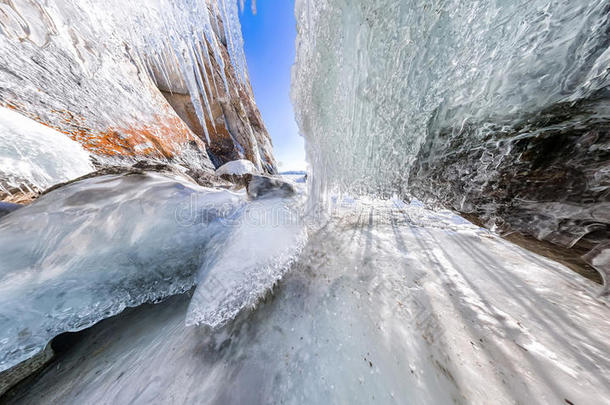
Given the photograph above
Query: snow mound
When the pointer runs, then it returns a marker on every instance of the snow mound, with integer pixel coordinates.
(37, 156)
(237, 168)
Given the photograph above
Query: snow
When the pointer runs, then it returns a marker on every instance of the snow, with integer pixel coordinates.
(237, 167)
(37, 156)
(388, 303)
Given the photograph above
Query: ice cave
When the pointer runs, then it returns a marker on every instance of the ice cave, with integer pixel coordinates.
(305, 202)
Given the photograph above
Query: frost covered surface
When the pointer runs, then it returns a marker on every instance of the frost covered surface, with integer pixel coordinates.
(237, 167)
(388, 303)
(87, 250)
(33, 155)
(266, 238)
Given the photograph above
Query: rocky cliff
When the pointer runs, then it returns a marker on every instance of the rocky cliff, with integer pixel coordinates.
(138, 93)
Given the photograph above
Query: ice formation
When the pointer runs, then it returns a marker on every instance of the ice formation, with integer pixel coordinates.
(266, 238)
(389, 303)
(88, 250)
(35, 156)
(395, 71)
(495, 109)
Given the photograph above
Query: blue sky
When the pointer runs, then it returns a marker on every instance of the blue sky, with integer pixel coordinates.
(269, 45)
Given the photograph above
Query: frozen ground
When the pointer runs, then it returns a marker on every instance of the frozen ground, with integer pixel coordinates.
(389, 304)
(88, 250)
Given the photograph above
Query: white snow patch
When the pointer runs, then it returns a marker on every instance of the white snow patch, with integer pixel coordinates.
(237, 167)
(37, 155)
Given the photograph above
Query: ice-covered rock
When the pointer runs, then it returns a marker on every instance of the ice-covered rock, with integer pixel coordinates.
(259, 186)
(105, 75)
(239, 167)
(87, 250)
(495, 109)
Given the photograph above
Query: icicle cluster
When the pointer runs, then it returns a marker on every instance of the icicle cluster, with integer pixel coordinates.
(96, 44)
(176, 38)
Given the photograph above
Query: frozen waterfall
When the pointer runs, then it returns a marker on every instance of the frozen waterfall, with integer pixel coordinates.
(396, 72)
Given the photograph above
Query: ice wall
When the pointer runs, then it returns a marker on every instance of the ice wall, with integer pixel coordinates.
(497, 109)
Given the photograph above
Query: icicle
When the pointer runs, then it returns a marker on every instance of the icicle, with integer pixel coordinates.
(202, 66)
(209, 61)
(201, 88)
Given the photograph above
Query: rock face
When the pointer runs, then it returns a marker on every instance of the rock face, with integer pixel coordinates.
(260, 186)
(546, 177)
(236, 128)
(112, 92)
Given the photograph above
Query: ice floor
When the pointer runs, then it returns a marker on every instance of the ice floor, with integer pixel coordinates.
(387, 304)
